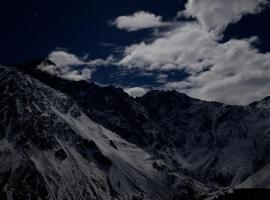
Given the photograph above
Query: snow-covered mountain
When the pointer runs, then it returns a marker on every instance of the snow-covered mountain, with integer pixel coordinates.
(64, 140)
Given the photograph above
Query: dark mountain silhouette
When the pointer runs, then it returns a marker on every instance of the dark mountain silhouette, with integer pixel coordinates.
(62, 139)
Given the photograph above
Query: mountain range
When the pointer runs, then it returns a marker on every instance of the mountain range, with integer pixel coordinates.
(77, 140)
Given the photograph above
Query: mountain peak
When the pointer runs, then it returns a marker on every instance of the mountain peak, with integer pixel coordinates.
(264, 103)
(33, 63)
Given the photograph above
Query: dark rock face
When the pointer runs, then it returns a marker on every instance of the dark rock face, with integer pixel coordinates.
(110, 106)
(244, 194)
(193, 147)
(50, 149)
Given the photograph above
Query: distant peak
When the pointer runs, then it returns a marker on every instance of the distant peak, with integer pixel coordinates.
(33, 63)
(167, 93)
(264, 103)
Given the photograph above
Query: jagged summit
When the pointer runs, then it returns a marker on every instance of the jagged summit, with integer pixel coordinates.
(34, 63)
(31, 67)
(264, 103)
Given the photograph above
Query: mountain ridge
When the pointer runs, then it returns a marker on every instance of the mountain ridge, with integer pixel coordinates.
(195, 147)
(30, 67)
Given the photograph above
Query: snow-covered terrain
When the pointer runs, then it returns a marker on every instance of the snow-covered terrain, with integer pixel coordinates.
(51, 150)
(65, 140)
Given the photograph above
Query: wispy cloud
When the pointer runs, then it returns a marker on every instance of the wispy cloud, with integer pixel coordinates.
(162, 78)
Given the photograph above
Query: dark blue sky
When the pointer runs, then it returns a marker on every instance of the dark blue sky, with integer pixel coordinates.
(33, 28)
(252, 25)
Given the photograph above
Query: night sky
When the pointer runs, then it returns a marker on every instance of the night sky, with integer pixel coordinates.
(33, 29)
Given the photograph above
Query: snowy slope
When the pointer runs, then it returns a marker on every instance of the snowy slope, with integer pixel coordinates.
(75, 140)
(51, 150)
(260, 179)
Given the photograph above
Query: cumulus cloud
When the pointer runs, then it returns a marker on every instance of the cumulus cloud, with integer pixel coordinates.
(139, 20)
(177, 49)
(67, 72)
(71, 67)
(62, 58)
(233, 72)
(239, 75)
(136, 91)
(217, 14)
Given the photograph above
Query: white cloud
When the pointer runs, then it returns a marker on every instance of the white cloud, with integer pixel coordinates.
(136, 91)
(98, 62)
(67, 72)
(62, 58)
(233, 72)
(139, 20)
(217, 14)
(69, 66)
(162, 78)
(176, 49)
(240, 75)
